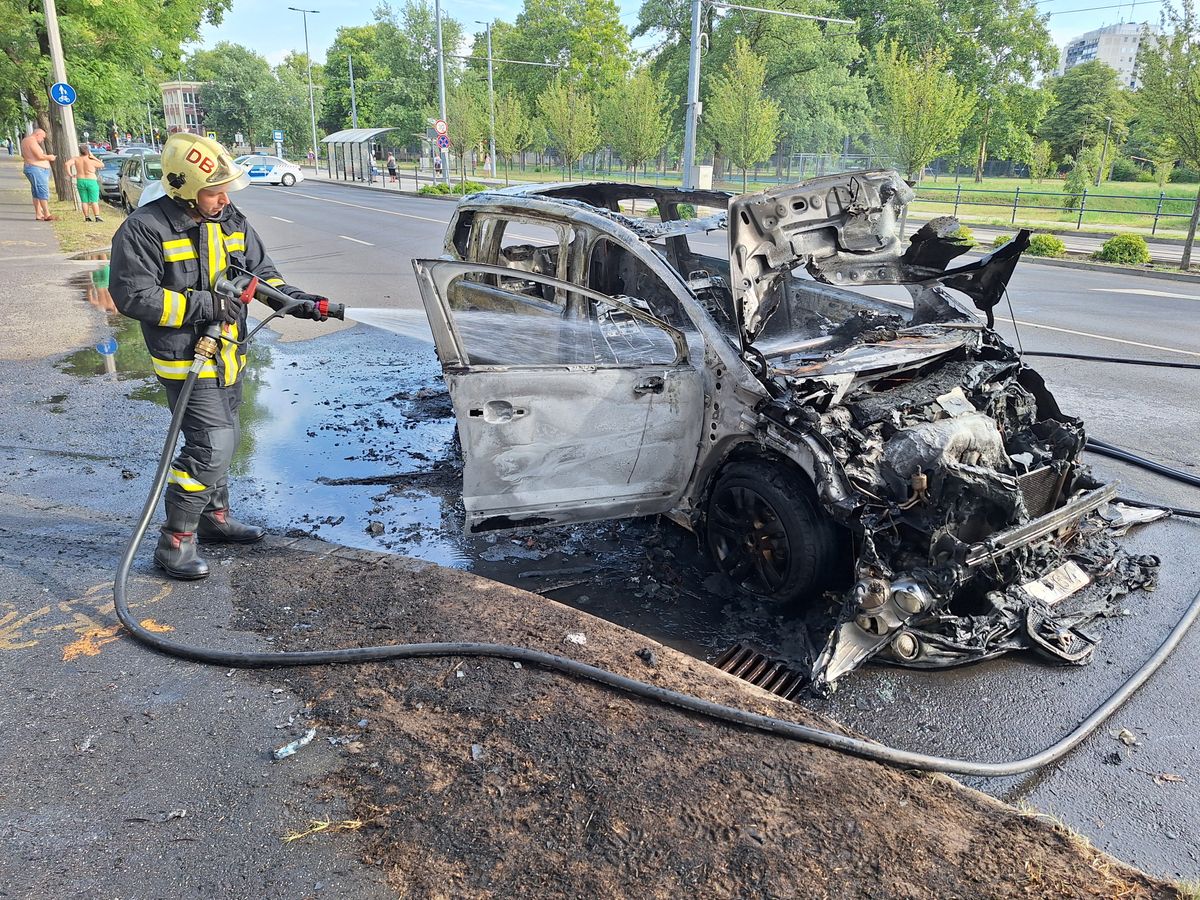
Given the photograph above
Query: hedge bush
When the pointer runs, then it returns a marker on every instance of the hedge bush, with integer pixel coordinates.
(439, 188)
(1046, 245)
(1127, 249)
(964, 235)
(1001, 240)
(686, 211)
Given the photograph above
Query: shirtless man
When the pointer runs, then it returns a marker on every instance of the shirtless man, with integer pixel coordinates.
(84, 167)
(37, 170)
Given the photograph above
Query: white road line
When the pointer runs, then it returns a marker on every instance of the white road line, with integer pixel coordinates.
(388, 212)
(356, 240)
(1101, 337)
(282, 219)
(1147, 293)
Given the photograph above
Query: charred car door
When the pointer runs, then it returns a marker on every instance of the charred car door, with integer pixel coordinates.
(572, 404)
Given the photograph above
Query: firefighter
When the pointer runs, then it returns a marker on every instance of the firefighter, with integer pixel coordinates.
(166, 258)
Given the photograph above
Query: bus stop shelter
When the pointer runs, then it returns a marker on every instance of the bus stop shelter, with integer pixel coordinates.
(348, 154)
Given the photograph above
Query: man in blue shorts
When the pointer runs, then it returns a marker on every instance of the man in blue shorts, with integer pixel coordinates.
(37, 170)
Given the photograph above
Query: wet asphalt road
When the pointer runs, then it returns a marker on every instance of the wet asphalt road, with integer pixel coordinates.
(364, 405)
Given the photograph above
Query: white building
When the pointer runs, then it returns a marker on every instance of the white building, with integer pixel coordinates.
(181, 106)
(1114, 45)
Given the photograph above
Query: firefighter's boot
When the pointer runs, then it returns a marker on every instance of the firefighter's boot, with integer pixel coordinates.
(176, 555)
(217, 526)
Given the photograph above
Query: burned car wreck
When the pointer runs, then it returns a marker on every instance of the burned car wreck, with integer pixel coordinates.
(889, 467)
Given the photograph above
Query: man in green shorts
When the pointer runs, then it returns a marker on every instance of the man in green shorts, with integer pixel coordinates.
(84, 168)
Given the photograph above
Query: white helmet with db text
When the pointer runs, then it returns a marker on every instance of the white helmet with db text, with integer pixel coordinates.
(192, 163)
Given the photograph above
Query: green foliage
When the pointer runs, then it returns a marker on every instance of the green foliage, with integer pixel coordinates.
(1046, 245)
(467, 116)
(1125, 170)
(686, 211)
(585, 36)
(514, 129)
(964, 235)
(1127, 249)
(1078, 181)
(921, 110)
(242, 95)
(739, 118)
(1041, 161)
(1001, 240)
(570, 120)
(439, 188)
(1084, 98)
(635, 122)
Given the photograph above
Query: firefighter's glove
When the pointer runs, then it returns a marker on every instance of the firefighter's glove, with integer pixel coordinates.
(221, 308)
(315, 307)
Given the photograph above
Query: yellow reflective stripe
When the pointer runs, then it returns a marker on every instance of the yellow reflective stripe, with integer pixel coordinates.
(274, 282)
(174, 309)
(235, 242)
(177, 251)
(216, 254)
(177, 369)
(229, 353)
(184, 480)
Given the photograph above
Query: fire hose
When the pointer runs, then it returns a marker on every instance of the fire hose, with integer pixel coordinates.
(784, 728)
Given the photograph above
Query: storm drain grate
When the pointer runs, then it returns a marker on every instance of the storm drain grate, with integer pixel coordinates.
(751, 664)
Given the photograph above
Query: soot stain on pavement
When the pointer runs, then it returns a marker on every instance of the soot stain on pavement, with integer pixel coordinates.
(479, 778)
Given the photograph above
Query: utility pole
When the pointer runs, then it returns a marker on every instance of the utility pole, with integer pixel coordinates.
(69, 148)
(693, 92)
(442, 151)
(353, 99)
(312, 107)
(491, 105)
(150, 126)
(1104, 151)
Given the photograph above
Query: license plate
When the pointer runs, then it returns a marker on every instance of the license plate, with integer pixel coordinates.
(1058, 584)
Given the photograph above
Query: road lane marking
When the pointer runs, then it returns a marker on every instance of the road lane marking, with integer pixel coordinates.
(356, 240)
(1147, 293)
(388, 212)
(282, 219)
(1101, 337)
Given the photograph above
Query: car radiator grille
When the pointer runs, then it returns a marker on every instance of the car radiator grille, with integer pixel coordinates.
(1040, 489)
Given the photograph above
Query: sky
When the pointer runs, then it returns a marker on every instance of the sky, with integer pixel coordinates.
(268, 27)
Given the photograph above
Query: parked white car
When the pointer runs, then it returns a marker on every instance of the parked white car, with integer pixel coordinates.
(271, 170)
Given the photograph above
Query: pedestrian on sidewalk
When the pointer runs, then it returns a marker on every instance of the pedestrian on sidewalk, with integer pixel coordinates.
(391, 166)
(312, 160)
(37, 170)
(8, 144)
(166, 259)
(84, 169)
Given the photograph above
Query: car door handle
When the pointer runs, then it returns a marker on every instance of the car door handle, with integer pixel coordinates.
(652, 385)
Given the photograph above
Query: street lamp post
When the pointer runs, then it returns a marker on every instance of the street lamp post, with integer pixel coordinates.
(491, 104)
(1104, 150)
(693, 92)
(443, 152)
(353, 99)
(312, 107)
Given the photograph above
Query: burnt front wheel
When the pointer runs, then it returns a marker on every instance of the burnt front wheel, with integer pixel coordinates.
(767, 534)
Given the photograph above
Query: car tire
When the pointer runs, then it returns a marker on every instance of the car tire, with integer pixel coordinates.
(767, 534)
(288, 179)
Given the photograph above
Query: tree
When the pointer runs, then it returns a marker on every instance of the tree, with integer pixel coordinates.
(571, 123)
(514, 129)
(1169, 98)
(467, 112)
(1084, 98)
(238, 93)
(117, 52)
(635, 119)
(740, 118)
(1041, 161)
(921, 109)
(585, 37)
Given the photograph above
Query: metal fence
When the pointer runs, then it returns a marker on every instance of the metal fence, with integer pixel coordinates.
(1152, 210)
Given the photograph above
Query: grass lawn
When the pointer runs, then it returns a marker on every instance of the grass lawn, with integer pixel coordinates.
(75, 235)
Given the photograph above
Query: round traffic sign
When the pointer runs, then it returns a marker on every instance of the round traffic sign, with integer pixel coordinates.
(107, 347)
(440, 126)
(62, 93)
(443, 141)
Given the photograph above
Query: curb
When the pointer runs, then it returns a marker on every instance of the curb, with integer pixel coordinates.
(1116, 270)
(454, 198)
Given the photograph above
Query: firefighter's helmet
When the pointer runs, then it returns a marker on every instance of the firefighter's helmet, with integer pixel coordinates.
(192, 163)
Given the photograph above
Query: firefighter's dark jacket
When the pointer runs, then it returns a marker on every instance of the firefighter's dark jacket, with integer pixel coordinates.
(164, 265)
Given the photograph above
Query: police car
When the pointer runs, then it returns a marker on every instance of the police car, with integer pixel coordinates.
(271, 170)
